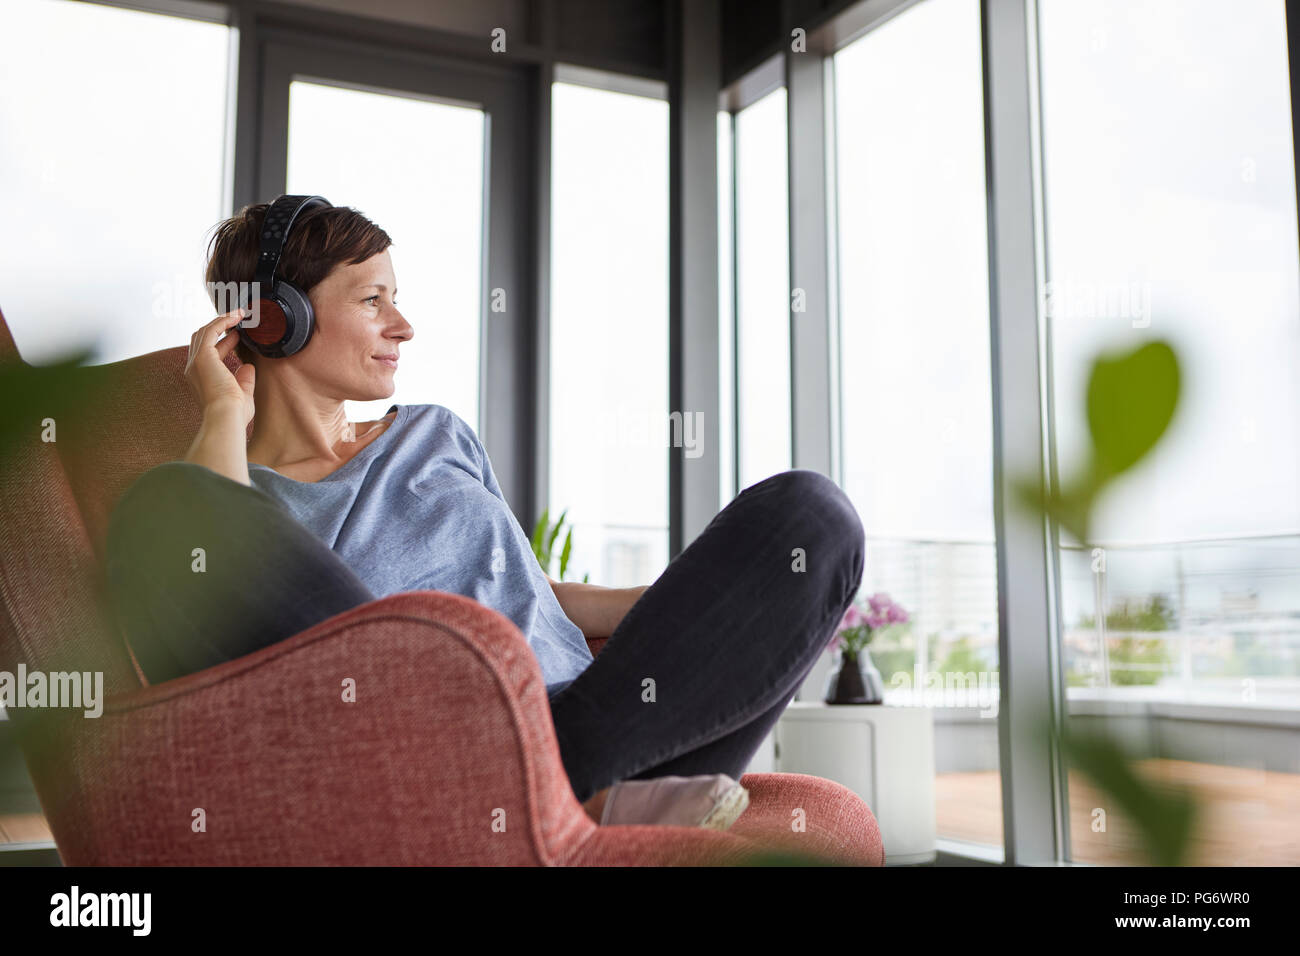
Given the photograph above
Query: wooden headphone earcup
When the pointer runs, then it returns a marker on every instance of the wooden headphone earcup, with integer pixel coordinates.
(271, 323)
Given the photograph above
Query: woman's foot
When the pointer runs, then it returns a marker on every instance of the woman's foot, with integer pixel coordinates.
(713, 801)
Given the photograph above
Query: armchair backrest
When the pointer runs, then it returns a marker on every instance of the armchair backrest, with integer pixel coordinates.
(55, 501)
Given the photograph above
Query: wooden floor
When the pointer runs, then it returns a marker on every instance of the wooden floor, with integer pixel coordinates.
(1249, 817)
(24, 828)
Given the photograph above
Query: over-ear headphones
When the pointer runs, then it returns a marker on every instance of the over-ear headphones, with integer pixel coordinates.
(285, 320)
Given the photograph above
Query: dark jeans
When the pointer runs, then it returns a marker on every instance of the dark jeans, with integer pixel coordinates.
(691, 682)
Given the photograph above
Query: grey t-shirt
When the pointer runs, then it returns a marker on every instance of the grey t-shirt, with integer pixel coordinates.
(420, 509)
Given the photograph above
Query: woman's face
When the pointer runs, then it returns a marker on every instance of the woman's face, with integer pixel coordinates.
(357, 325)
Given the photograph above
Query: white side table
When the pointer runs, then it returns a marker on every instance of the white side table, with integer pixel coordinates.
(883, 754)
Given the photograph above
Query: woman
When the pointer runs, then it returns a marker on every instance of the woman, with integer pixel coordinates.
(315, 515)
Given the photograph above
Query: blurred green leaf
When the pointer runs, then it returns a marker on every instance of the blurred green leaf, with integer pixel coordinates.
(1131, 400)
(1071, 509)
(31, 393)
(1165, 818)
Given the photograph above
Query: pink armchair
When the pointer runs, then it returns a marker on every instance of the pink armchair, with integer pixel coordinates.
(450, 732)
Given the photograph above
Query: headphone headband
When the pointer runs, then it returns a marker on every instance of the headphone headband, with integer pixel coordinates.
(275, 233)
(285, 317)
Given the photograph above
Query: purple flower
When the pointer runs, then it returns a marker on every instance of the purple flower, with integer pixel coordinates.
(876, 621)
(878, 602)
(896, 614)
(852, 618)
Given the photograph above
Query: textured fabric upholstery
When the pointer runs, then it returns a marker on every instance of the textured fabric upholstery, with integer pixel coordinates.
(449, 736)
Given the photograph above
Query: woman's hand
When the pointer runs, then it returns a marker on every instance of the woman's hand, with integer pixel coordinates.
(595, 609)
(213, 383)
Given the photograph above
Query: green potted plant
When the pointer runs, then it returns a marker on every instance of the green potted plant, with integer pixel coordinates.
(543, 541)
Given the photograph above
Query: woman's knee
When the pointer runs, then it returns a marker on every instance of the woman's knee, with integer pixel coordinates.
(835, 521)
(179, 484)
(166, 481)
(804, 488)
(164, 498)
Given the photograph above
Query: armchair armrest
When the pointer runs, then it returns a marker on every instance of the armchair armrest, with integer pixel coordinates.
(444, 753)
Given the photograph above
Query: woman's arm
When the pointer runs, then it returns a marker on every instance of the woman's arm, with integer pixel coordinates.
(219, 445)
(226, 399)
(596, 610)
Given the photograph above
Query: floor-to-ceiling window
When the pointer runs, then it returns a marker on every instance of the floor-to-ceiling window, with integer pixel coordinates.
(1170, 213)
(609, 416)
(915, 379)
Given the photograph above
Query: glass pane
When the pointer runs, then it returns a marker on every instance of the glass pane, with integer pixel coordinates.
(415, 167)
(112, 171)
(762, 290)
(916, 394)
(1171, 213)
(609, 332)
(113, 168)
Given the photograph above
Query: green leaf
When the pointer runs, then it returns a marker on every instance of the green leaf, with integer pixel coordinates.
(555, 533)
(31, 393)
(538, 530)
(1071, 508)
(564, 552)
(1131, 401)
(1165, 819)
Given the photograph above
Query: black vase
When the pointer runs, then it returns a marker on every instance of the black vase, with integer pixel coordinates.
(855, 680)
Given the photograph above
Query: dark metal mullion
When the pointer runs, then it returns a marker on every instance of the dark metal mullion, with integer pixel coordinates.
(673, 48)
(511, 375)
(835, 332)
(541, 419)
(248, 109)
(272, 162)
(693, 360)
(809, 332)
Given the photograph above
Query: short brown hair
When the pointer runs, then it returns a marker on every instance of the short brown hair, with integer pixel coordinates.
(321, 238)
